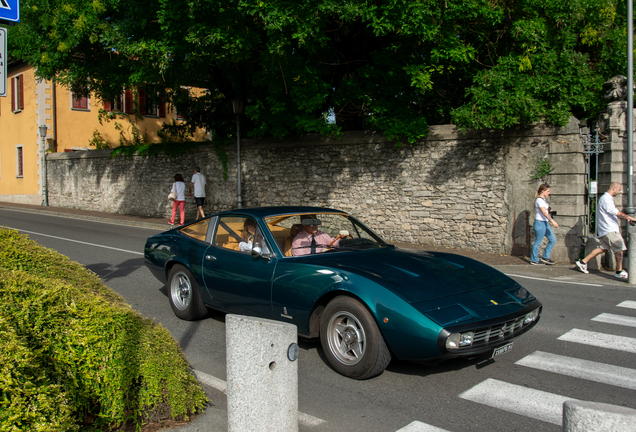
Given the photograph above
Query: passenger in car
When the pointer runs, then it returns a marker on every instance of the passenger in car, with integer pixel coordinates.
(247, 234)
(310, 240)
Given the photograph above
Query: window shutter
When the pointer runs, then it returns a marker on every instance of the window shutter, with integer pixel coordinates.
(13, 94)
(107, 106)
(142, 102)
(80, 102)
(162, 108)
(21, 92)
(128, 102)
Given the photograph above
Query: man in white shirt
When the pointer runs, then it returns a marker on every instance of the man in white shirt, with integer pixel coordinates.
(197, 185)
(607, 216)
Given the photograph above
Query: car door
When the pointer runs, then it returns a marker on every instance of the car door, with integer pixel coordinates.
(237, 281)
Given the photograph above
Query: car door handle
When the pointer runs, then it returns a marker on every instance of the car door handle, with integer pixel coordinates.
(210, 258)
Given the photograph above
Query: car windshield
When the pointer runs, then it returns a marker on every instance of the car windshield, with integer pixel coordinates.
(309, 233)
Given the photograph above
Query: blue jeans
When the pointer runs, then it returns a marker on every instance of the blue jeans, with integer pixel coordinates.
(542, 229)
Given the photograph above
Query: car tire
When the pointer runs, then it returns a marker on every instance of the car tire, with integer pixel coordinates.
(351, 339)
(184, 295)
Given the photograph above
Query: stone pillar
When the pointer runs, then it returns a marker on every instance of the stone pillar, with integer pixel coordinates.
(582, 416)
(262, 374)
(613, 163)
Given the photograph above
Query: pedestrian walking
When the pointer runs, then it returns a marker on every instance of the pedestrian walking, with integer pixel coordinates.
(178, 187)
(542, 227)
(607, 216)
(197, 185)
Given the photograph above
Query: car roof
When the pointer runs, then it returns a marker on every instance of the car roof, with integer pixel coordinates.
(263, 212)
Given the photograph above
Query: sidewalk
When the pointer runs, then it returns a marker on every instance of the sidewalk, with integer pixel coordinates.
(505, 263)
(215, 417)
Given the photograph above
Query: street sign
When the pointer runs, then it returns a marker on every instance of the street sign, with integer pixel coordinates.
(3, 61)
(10, 10)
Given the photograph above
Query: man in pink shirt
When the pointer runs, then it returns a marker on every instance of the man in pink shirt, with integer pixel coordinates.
(310, 240)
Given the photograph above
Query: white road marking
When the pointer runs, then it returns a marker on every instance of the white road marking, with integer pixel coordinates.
(307, 420)
(536, 404)
(584, 369)
(219, 384)
(628, 304)
(212, 381)
(76, 241)
(616, 319)
(553, 280)
(417, 426)
(602, 340)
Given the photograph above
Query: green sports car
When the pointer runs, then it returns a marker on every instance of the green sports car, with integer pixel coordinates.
(327, 273)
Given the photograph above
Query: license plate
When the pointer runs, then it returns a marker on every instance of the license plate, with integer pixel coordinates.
(502, 350)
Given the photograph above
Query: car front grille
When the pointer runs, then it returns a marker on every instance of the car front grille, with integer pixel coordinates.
(497, 332)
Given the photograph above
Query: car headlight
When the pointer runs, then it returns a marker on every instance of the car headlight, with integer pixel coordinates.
(531, 316)
(457, 340)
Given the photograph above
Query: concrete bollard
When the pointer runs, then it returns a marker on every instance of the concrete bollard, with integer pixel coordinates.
(262, 375)
(582, 416)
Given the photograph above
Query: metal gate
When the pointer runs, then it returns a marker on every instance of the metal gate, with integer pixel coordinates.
(592, 147)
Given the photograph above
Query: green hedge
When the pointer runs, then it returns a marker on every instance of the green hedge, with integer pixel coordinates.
(73, 354)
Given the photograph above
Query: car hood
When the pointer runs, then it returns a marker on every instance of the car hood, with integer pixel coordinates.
(417, 276)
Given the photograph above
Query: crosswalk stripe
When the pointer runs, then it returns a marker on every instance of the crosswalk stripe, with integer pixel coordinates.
(602, 340)
(616, 319)
(219, 384)
(417, 426)
(537, 404)
(578, 368)
(628, 304)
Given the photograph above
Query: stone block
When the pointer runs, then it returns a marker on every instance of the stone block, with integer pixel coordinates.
(262, 382)
(583, 416)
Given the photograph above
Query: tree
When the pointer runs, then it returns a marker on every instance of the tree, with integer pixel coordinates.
(391, 65)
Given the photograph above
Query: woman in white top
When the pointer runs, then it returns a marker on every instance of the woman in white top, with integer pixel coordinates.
(179, 188)
(542, 227)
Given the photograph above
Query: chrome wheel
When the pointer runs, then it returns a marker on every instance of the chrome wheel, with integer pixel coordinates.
(181, 291)
(346, 337)
(351, 339)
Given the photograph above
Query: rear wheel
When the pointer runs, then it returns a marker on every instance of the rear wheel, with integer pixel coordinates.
(184, 295)
(351, 339)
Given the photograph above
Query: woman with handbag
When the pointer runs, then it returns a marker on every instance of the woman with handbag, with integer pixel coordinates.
(178, 192)
(542, 227)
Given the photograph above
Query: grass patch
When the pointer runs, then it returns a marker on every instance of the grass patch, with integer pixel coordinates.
(74, 356)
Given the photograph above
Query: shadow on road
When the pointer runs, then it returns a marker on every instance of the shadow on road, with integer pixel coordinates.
(108, 272)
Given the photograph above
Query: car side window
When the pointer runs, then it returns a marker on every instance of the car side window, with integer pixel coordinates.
(240, 234)
(197, 230)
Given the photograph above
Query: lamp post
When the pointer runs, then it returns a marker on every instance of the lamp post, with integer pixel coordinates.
(630, 141)
(237, 107)
(45, 198)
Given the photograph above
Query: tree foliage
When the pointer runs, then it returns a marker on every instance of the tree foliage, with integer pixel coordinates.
(391, 65)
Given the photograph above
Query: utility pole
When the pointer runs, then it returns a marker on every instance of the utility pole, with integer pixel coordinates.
(630, 141)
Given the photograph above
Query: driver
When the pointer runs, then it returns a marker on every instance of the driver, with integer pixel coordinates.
(310, 240)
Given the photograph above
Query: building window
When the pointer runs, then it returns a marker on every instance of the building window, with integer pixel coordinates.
(17, 93)
(19, 162)
(79, 102)
(150, 103)
(116, 104)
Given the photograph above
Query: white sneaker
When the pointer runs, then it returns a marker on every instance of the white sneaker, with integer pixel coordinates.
(621, 275)
(582, 266)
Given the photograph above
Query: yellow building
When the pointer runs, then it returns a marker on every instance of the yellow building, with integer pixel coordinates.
(73, 124)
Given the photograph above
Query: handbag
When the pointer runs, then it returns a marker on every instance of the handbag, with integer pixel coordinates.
(172, 196)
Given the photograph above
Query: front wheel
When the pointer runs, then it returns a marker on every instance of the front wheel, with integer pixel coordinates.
(184, 295)
(351, 339)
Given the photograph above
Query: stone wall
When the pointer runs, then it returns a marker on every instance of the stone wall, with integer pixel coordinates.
(458, 190)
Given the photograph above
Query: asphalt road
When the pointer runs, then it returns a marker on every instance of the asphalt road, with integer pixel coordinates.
(583, 348)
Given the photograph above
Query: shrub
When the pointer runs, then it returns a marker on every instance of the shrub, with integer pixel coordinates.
(77, 353)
